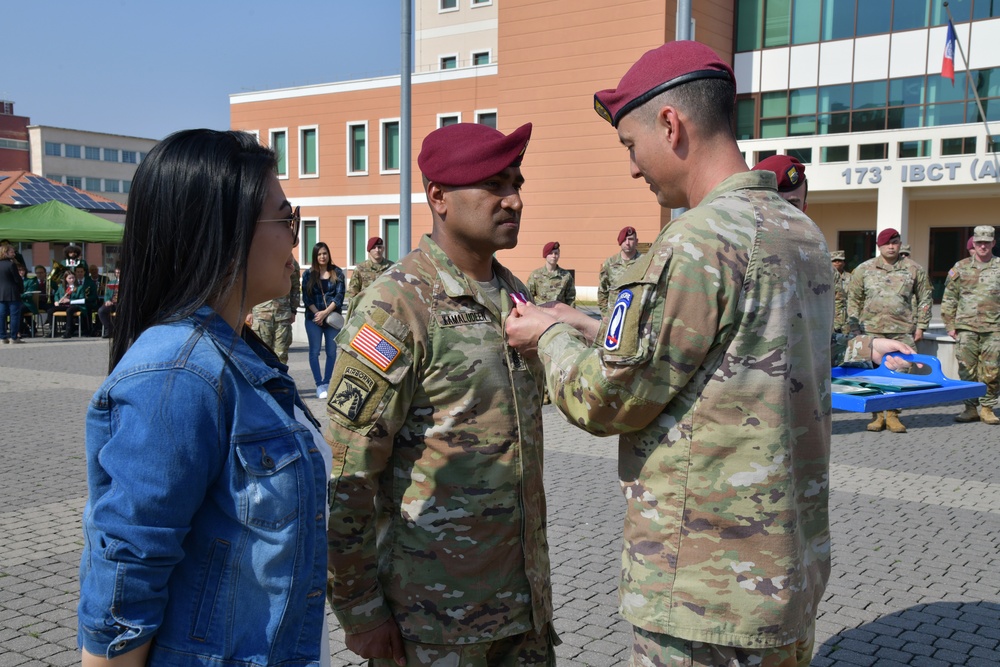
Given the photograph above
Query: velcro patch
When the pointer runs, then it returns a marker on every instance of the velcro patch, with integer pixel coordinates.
(353, 391)
(614, 336)
(374, 347)
(462, 317)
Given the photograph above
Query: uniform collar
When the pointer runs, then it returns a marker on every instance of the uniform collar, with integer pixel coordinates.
(456, 283)
(752, 180)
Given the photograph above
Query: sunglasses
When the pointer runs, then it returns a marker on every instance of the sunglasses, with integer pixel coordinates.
(293, 223)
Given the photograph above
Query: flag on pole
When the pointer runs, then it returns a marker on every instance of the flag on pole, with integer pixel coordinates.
(948, 63)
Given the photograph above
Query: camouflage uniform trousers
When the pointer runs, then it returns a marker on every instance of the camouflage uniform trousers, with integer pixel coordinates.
(978, 355)
(276, 335)
(651, 649)
(529, 649)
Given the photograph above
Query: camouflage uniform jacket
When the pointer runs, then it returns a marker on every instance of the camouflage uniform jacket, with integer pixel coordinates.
(607, 283)
(437, 508)
(840, 284)
(719, 384)
(880, 297)
(971, 299)
(364, 274)
(282, 308)
(545, 286)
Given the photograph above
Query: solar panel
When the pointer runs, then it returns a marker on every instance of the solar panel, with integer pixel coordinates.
(36, 190)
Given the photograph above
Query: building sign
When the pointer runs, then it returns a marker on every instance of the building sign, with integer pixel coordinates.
(979, 169)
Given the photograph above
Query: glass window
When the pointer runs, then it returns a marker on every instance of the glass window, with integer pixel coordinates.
(745, 119)
(391, 237)
(129, 157)
(987, 81)
(838, 19)
(868, 120)
(92, 153)
(309, 159)
(910, 15)
(110, 185)
(983, 9)
(835, 98)
(279, 144)
(449, 62)
(991, 107)
(945, 114)
(900, 117)
(53, 149)
(111, 155)
(72, 150)
(960, 9)
(359, 240)
(481, 58)
(126, 187)
(777, 22)
(444, 121)
(874, 16)
(873, 152)
(803, 155)
(805, 21)
(445, 5)
(964, 146)
(915, 148)
(834, 123)
(142, 156)
(74, 181)
(359, 152)
(773, 128)
(390, 145)
(309, 239)
(749, 24)
(906, 91)
(488, 118)
(868, 94)
(92, 184)
(773, 105)
(939, 89)
(801, 125)
(802, 101)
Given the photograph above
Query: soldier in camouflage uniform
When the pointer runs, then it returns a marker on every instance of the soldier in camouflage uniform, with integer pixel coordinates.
(370, 269)
(437, 541)
(272, 320)
(552, 282)
(714, 368)
(889, 296)
(841, 281)
(614, 267)
(970, 308)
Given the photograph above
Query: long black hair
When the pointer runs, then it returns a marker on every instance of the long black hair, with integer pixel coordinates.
(314, 274)
(192, 209)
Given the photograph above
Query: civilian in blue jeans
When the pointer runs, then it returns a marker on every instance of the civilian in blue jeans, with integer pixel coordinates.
(11, 286)
(322, 295)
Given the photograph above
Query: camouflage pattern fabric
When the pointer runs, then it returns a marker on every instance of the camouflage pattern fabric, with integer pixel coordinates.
(272, 320)
(364, 274)
(970, 305)
(840, 283)
(437, 512)
(652, 649)
(546, 286)
(880, 297)
(529, 649)
(607, 283)
(715, 369)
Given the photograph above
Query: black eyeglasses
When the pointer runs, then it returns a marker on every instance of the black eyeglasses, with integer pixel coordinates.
(293, 223)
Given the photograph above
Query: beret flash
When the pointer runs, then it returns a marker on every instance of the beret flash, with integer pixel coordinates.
(885, 236)
(374, 241)
(790, 172)
(625, 232)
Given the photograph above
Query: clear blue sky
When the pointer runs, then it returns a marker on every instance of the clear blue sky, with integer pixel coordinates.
(148, 67)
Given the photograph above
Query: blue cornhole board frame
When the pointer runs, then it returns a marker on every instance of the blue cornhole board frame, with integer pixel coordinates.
(950, 390)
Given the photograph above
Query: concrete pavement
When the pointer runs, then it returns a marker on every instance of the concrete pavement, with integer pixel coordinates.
(916, 527)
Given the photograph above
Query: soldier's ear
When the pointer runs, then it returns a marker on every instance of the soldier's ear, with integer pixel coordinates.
(436, 198)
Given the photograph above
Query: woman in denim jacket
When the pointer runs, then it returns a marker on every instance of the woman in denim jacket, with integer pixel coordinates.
(204, 529)
(322, 295)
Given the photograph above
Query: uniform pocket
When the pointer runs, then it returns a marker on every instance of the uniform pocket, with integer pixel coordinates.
(272, 479)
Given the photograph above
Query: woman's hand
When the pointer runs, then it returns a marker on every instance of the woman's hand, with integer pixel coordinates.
(318, 317)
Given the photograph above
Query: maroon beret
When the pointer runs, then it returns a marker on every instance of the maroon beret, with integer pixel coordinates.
(466, 153)
(625, 232)
(885, 236)
(971, 244)
(790, 172)
(549, 247)
(374, 241)
(659, 70)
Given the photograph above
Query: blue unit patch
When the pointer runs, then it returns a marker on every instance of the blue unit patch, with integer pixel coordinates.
(614, 336)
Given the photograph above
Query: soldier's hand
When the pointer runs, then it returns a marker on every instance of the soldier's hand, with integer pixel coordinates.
(883, 346)
(385, 641)
(953, 333)
(918, 335)
(525, 325)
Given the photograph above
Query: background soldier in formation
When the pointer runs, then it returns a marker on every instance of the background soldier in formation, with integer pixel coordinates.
(841, 281)
(615, 266)
(552, 282)
(370, 269)
(970, 308)
(437, 520)
(791, 174)
(889, 296)
(272, 320)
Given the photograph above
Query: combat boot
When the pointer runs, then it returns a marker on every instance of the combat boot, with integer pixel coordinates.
(893, 423)
(987, 416)
(968, 415)
(878, 422)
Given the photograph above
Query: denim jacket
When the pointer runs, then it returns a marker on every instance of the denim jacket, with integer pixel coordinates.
(204, 527)
(317, 297)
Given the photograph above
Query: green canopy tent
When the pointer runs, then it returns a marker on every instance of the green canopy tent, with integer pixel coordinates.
(56, 221)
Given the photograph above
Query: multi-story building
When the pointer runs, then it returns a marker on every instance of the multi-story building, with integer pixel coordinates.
(91, 161)
(852, 87)
(14, 155)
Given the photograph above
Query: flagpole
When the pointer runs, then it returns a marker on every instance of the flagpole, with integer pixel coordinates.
(975, 93)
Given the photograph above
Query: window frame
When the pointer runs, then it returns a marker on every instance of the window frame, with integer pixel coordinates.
(270, 142)
(450, 114)
(53, 145)
(479, 113)
(302, 129)
(89, 150)
(116, 151)
(382, 220)
(446, 10)
(305, 249)
(489, 57)
(134, 155)
(349, 246)
(479, 3)
(447, 56)
(78, 150)
(350, 148)
(383, 122)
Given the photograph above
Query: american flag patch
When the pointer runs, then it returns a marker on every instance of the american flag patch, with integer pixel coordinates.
(373, 347)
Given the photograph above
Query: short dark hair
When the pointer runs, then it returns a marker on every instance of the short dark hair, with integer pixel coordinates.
(192, 210)
(712, 102)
